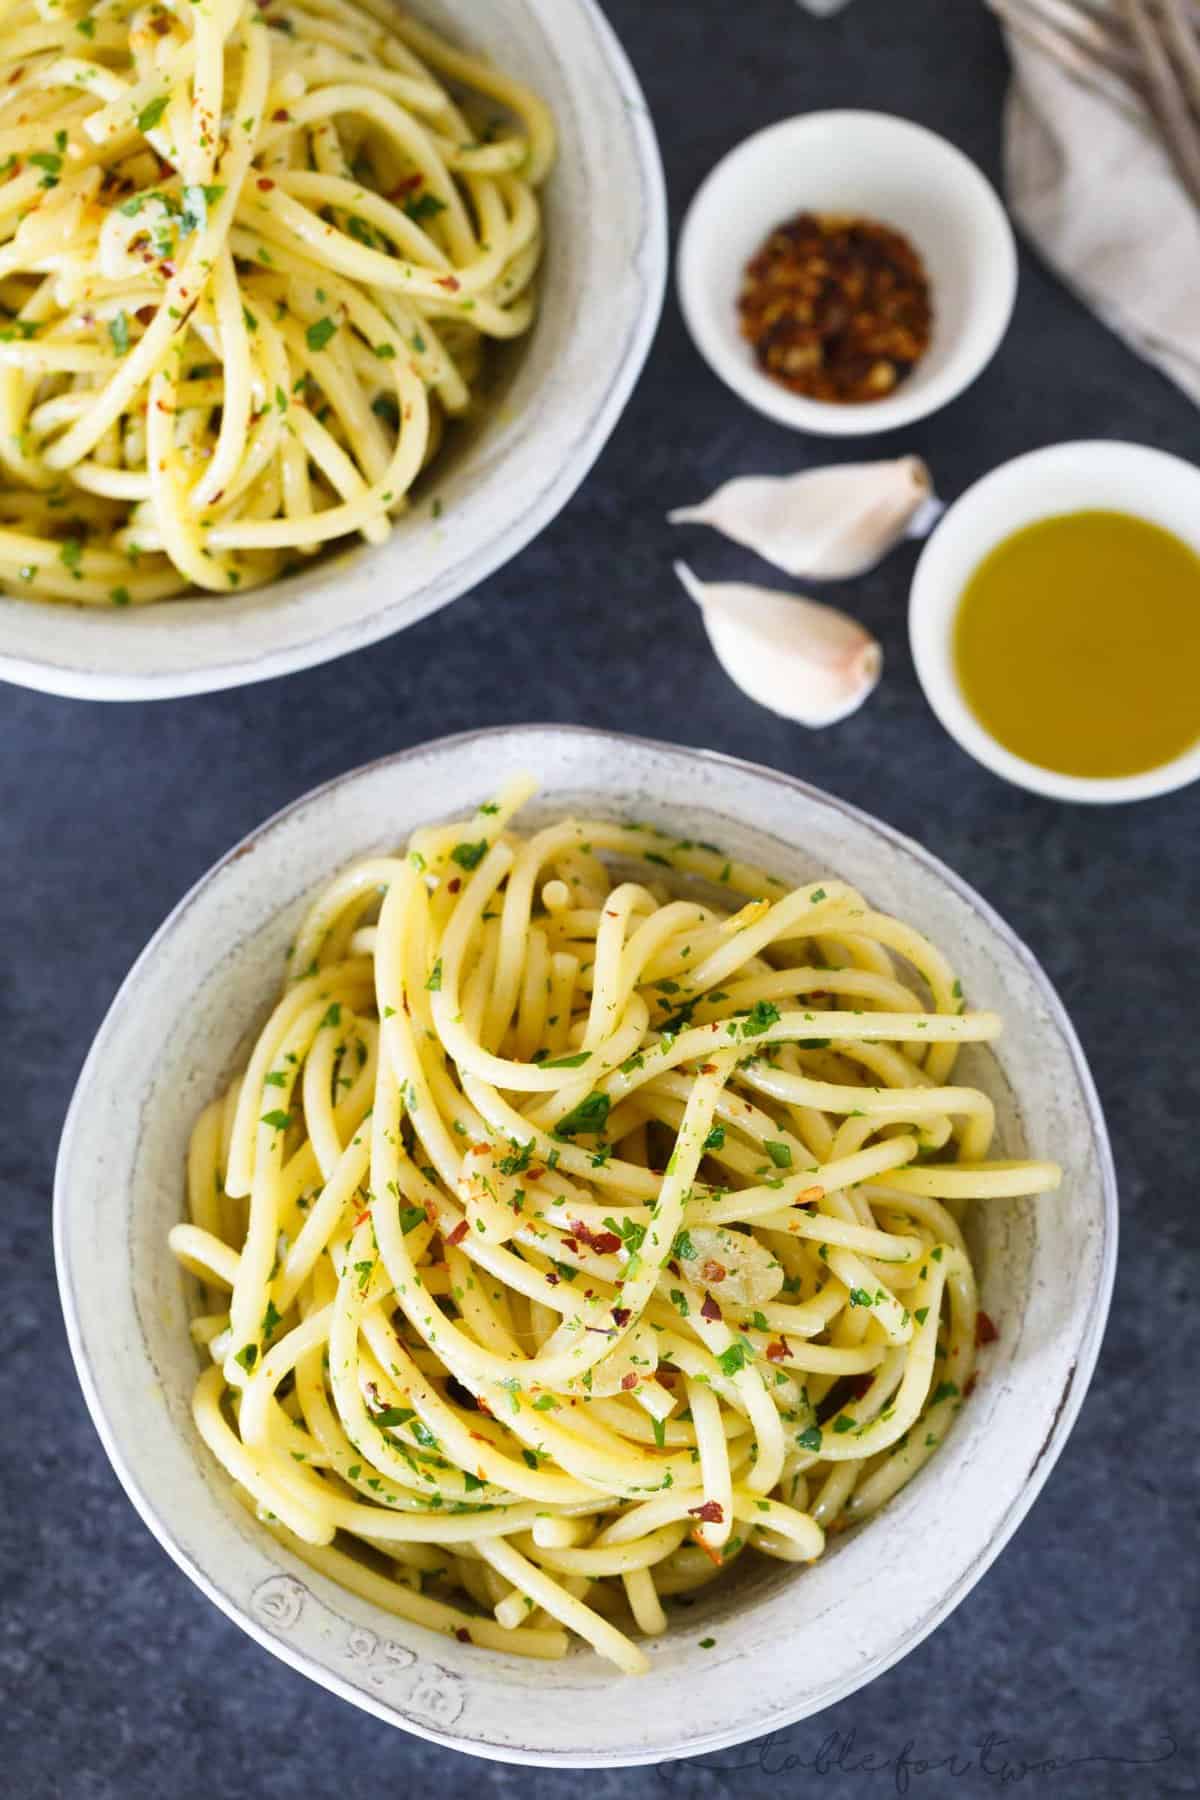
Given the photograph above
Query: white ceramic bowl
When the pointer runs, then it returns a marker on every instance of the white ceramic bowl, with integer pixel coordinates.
(887, 169)
(567, 383)
(787, 1642)
(1064, 478)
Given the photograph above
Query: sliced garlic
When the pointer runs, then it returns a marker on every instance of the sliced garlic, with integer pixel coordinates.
(730, 1265)
(827, 524)
(803, 660)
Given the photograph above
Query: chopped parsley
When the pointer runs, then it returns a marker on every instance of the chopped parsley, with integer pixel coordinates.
(151, 113)
(591, 1115)
(760, 1018)
(424, 206)
(469, 856)
(319, 334)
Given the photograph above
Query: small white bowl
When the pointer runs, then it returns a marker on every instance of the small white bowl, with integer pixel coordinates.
(880, 167)
(787, 1642)
(1063, 478)
(561, 391)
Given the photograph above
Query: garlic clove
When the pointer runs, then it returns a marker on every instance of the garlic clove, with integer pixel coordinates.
(827, 524)
(801, 659)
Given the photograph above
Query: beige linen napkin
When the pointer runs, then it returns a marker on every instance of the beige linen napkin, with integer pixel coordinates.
(1091, 184)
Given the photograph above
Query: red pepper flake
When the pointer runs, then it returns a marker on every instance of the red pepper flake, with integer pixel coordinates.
(406, 186)
(985, 1331)
(551, 1278)
(450, 282)
(711, 1512)
(482, 1149)
(778, 1352)
(708, 1068)
(604, 1243)
(712, 1270)
(463, 1635)
(970, 1387)
(629, 1381)
(281, 115)
(836, 308)
(363, 1216)
(571, 1244)
(714, 1556)
(621, 1315)
(710, 1310)
(452, 887)
(459, 1233)
(265, 183)
(534, 1174)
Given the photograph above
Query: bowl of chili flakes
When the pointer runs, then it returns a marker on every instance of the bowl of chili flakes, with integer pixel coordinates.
(847, 272)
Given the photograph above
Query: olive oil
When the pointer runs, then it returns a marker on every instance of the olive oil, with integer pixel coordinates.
(1077, 644)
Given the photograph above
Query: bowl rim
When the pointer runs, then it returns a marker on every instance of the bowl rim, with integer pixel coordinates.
(1073, 1393)
(218, 673)
(1030, 475)
(818, 417)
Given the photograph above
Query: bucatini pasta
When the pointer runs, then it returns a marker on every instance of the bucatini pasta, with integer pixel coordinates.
(249, 259)
(571, 1235)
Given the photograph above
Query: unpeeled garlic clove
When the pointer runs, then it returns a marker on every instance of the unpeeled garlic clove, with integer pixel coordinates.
(827, 524)
(802, 659)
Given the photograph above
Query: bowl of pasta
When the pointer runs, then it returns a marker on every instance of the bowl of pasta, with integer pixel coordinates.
(311, 315)
(553, 1212)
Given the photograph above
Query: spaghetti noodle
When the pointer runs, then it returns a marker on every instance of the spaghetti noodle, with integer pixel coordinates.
(570, 1237)
(248, 263)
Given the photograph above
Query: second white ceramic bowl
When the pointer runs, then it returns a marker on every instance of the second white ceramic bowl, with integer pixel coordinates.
(880, 167)
(787, 1642)
(563, 391)
(1101, 474)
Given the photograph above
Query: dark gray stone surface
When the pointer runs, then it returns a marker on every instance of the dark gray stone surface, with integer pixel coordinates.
(1078, 1648)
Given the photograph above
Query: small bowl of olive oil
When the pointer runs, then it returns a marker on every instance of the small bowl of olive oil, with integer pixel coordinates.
(1055, 621)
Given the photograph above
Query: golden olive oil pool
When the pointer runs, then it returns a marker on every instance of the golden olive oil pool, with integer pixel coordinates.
(1077, 644)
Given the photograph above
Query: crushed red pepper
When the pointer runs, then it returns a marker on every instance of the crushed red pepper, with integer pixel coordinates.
(836, 308)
